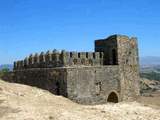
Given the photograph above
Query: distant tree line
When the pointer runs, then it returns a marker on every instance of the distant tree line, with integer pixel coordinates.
(151, 75)
(4, 71)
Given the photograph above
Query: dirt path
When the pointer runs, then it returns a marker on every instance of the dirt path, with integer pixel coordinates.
(20, 102)
(152, 101)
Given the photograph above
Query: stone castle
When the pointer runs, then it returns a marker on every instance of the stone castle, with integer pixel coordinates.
(110, 74)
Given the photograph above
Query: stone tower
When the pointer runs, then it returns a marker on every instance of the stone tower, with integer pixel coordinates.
(122, 51)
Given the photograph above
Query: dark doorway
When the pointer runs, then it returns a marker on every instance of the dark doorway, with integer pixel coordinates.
(114, 57)
(57, 88)
(112, 97)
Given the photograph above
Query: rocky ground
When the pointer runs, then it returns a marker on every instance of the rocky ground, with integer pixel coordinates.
(149, 85)
(150, 93)
(21, 102)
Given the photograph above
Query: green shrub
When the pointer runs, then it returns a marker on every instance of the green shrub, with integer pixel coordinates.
(3, 72)
(151, 75)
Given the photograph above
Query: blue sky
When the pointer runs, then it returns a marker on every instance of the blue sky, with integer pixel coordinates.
(29, 26)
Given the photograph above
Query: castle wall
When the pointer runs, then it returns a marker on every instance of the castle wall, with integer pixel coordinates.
(129, 82)
(92, 85)
(86, 85)
(51, 79)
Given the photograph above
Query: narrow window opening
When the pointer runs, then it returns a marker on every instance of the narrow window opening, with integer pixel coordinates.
(71, 54)
(87, 55)
(57, 88)
(101, 54)
(79, 55)
(114, 57)
(94, 56)
(98, 88)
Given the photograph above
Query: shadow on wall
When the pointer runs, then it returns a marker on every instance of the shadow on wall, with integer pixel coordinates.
(8, 76)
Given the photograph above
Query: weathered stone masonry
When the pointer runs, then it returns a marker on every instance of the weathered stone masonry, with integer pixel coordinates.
(111, 73)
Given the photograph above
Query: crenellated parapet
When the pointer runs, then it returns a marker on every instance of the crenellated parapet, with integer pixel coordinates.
(82, 58)
(54, 58)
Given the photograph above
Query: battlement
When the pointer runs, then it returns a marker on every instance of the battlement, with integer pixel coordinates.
(54, 58)
(82, 58)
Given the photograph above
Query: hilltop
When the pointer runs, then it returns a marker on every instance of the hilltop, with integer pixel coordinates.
(21, 102)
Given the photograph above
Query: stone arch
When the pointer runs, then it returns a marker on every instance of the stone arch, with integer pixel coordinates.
(113, 97)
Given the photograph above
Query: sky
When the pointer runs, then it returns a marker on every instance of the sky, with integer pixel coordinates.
(29, 26)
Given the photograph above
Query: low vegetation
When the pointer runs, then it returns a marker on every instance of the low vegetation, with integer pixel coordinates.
(3, 72)
(150, 79)
(152, 75)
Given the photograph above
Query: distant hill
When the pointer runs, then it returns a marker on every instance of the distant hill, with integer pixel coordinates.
(9, 66)
(150, 67)
(150, 61)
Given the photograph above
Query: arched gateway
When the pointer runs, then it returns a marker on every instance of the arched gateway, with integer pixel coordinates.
(112, 97)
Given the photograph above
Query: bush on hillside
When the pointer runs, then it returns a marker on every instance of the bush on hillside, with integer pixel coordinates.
(3, 72)
(151, 75)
